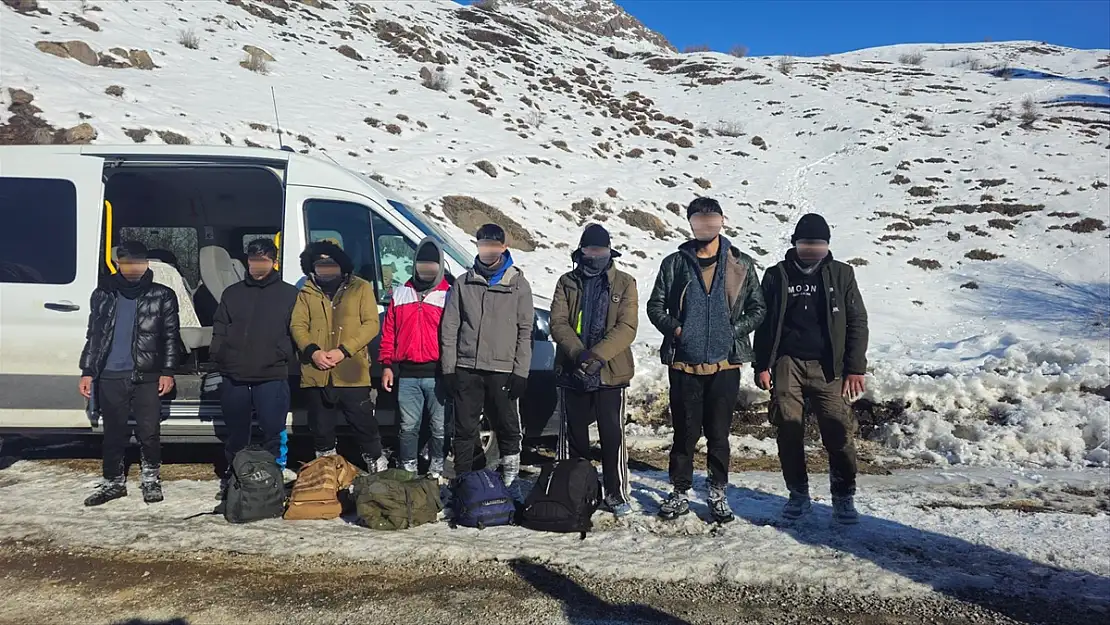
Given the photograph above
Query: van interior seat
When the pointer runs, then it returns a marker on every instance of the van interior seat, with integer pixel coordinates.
(193, 335)
(218, 270)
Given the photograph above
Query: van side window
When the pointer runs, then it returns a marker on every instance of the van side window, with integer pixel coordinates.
(38, 243)
(396, 256)
(346, 224)
(177, 247)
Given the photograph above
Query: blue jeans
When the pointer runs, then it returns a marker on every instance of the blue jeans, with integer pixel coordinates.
(240, 401)
(417, 397)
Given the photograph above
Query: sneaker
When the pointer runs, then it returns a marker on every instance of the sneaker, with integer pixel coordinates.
(375, 465)
(674, 506)
(326, 452)
(221, 495)
(409, 465)
(435, 469)
(718, 505)
(797, 506)
(510, 468)
(288, 475)
(619, 507)
(152, 491)
(844, 511)
(107, 491)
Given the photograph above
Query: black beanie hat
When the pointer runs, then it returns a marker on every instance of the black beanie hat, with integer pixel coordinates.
(428, 253)
(595, 236)
(490, 232)
(703, 205)
(811, 226)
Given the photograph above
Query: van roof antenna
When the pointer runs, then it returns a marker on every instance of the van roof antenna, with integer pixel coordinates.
(277, 120)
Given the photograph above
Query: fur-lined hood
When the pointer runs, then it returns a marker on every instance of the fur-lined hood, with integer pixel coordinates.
(325, 248)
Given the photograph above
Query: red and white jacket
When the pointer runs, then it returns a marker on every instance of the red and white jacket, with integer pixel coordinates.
(410, 333)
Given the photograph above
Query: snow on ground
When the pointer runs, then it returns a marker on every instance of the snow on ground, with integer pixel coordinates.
(904, 546)
(978, 236)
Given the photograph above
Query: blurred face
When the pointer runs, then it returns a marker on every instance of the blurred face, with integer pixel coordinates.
(490, 251)
(132, 269)
(811, 250)
(427, 270)
(259, 266)
(706, 226)
(326, 270)
(596, 252)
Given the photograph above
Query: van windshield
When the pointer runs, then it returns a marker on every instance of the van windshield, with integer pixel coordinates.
(432, 230)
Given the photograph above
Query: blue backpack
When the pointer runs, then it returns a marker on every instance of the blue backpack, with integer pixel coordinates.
(481, 500)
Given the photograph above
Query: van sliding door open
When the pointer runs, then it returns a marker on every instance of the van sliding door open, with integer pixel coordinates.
(51, 206)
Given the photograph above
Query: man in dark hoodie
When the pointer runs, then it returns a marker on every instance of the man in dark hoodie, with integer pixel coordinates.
(131, 350)
(706, 302)
(334, 320)
(594, 318)
(252, 346)
(491, 301)
(813, 346)
(410, 355)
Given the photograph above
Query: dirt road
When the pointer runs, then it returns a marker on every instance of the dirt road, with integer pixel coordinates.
(45, 584)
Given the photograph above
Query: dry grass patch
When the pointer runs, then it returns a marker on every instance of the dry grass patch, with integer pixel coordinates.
(981, 254)
(172, 138)
(469, 214)
(927, 264)
(114, 91)
(188, 38)
(645, 221)
(487, 167)
(858, 262)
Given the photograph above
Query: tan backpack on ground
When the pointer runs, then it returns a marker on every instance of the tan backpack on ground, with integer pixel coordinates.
(315, 493)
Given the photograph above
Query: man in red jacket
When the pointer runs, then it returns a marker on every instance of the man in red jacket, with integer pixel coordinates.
(410, 355)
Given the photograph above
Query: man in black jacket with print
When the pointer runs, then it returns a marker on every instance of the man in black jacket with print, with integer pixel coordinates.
(813, 345)
(253, 347)
(131, 350)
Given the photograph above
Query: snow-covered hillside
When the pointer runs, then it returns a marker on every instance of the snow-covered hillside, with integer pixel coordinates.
(967, 183)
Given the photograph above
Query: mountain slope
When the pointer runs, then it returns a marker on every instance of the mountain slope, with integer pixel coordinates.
(979, 237)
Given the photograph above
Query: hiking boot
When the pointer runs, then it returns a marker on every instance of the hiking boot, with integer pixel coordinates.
(435, 469)
(718, 505)
(510, 468)
(326, 452)
(798, 505)
(619, 507)
(844, 511)
(107, 491)
(674, 506)
(221, 495)
(152, 492)
(409, 465)
(375, 465)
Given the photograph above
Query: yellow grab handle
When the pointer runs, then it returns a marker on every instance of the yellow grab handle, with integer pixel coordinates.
(108, 236)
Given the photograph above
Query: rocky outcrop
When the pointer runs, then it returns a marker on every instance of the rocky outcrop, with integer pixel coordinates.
(81, 51)
(255, 51)
(25, 127)
(599, 17)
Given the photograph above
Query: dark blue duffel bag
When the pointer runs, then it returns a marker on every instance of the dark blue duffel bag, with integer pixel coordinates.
(481, 500)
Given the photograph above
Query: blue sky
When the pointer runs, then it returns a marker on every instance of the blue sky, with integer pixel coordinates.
(816, 27)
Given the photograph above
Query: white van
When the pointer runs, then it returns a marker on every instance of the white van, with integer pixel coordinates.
(195, 208)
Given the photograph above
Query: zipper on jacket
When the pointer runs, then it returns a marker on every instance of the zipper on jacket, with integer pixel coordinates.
(547, 489)
(782, 315)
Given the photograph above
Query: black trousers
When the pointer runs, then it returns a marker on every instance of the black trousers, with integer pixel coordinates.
(478, 392)
(701, 403)
(324, 408)
(606, 408)
(120, 399)
(239, 401)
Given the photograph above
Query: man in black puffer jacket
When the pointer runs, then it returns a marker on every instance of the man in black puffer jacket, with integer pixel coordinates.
(252, 345)
(131, 350)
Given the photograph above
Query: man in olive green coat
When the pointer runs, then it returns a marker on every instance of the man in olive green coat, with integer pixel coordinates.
(334, 320)
(594, 319)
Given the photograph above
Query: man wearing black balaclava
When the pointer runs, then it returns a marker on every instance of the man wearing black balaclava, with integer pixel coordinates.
(813, 344)
(486, 352)
(706, 301)
(129, 358)
(594, 318)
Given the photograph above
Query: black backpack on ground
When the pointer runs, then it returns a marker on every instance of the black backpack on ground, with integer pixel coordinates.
(564, 498)
(256, 489)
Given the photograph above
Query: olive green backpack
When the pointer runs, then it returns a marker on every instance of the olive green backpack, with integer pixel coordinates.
(396, 499)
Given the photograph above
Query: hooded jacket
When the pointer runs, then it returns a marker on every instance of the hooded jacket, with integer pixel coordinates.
(250, 331)
(621, 324)
(347, 322)
(410, 332)
(845, 318)
(488, 327)
(155, 340)
(677, 273)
